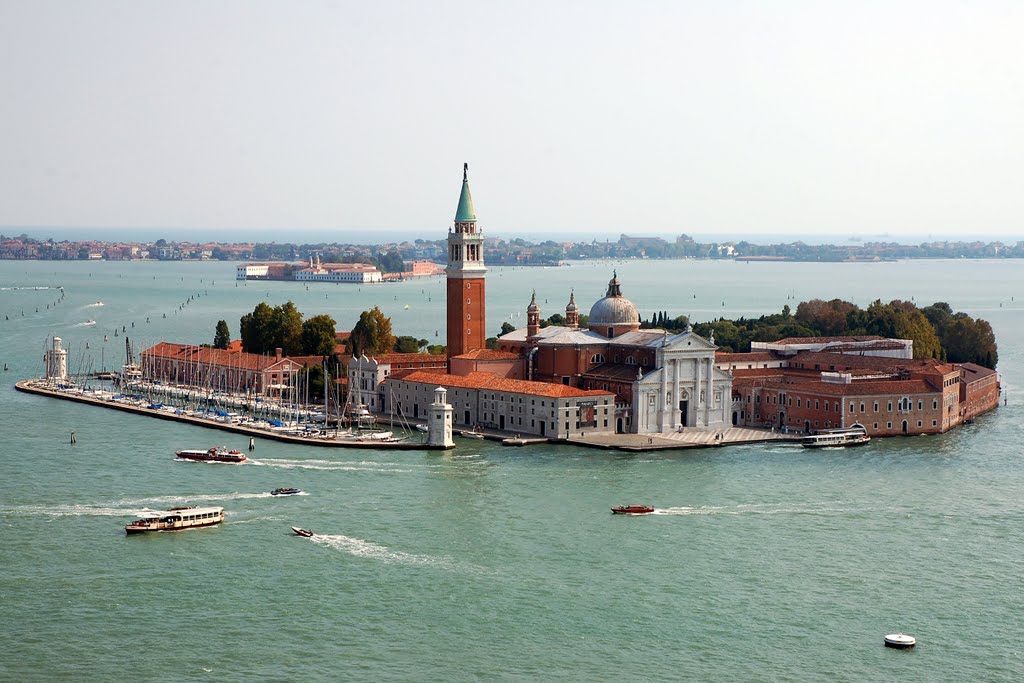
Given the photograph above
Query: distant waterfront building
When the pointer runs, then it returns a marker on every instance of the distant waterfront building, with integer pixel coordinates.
(362, 273)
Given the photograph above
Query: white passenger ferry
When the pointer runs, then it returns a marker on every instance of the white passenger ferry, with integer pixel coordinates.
(837, 438)
(176, 519)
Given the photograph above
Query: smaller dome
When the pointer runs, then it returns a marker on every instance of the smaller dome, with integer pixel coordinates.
(571, 306)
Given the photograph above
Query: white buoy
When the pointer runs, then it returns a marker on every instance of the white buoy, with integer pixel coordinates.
(900, 640)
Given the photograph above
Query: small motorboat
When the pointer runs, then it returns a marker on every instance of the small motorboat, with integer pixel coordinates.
(305, 533)
(471, 434)
(285, 492)
(633, 510)
(422, 428)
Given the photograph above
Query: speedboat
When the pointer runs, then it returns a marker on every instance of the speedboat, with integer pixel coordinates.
(472, 434)
(305, 533)
(633, 510)
(422, 428)
(285, 492)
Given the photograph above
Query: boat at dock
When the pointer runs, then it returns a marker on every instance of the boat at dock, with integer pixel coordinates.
(285, 492)
(305, 533)
(214, 454)
(471, 434)
(175, 519)
(633, 510)
(837, 438)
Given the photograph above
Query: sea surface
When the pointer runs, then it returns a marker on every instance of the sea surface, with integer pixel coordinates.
(763, 563)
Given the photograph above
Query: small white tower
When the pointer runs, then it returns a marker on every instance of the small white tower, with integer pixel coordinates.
(56, 359)
(439, 427)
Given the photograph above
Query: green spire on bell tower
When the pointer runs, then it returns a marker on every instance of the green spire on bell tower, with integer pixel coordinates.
(465, 212)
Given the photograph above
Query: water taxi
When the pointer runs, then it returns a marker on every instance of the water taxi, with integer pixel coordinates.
(471, 433)
(175, 519)
(837, 438)
(305, 533)
(215, 454)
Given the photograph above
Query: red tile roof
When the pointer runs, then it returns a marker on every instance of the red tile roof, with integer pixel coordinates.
(491, 382)
(750, 357)
(489, 354)
(413, 359)
(205, 355)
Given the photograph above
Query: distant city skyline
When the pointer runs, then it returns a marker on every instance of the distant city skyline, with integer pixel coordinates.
(586, 119)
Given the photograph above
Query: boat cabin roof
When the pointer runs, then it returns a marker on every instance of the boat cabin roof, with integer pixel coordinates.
(186, 511)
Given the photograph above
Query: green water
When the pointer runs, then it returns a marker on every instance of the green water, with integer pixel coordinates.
(491, 563)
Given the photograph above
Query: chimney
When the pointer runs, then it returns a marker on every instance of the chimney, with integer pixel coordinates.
(277, 353)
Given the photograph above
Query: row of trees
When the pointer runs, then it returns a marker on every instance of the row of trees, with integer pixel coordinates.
(281, 327)
(937, 332)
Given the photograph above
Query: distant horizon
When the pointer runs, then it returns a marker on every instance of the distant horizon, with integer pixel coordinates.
(371, 236)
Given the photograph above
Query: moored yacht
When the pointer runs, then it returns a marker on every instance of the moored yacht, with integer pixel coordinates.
(176, 519)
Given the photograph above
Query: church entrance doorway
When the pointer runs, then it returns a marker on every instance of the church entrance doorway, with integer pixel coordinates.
(684, 408)
(735, 418)
(542, 425)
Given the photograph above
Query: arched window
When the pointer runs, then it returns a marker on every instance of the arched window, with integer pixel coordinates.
(630, 360)
(597, 358)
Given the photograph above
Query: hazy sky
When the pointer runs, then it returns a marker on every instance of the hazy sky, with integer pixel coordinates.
(713, 117)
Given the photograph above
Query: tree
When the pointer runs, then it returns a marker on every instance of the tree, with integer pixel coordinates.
(318, 336)
(255, 329)
(286, 329)
(506, 327)
(372, 334)
(437, 349)
(405, 344)
(222, 336)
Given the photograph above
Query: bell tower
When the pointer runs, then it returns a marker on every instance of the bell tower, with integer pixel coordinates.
(465, 273)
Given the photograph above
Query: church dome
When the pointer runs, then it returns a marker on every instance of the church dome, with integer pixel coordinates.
(614, 311)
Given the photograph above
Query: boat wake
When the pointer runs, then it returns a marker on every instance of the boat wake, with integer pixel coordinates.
(365, 549)
(201, 498)
(72, 511)
(331, 465)
(98, 303)
(755, 509)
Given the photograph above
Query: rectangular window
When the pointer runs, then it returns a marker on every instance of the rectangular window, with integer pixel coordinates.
(889, 408)
(876, 406)
(918, 423)
(851, 407)
(920, 405)
(888, 425)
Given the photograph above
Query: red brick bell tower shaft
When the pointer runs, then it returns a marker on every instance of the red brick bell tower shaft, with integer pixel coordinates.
(467, 323)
